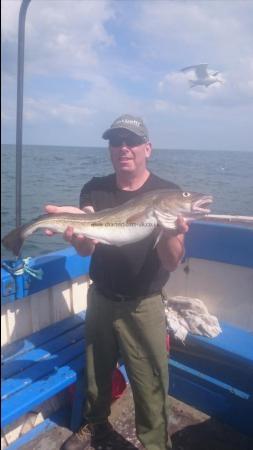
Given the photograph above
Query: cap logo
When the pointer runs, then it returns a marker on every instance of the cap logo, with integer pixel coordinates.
(129, 122)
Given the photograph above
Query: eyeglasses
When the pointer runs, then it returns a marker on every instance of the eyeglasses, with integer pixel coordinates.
(130, 141)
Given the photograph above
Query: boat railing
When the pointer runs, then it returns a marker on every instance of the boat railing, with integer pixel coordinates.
(30, 303)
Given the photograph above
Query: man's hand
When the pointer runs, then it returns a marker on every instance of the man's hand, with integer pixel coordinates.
(83, 245)
(182, 226)
(170, 248)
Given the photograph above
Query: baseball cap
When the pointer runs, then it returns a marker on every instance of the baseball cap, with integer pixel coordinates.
(130, 123)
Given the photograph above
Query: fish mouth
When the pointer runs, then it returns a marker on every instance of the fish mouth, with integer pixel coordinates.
(201, 204)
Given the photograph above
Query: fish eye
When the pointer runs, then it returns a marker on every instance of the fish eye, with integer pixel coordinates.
(186, 194)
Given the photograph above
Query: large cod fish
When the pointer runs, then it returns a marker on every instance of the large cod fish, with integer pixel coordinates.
(124, 224)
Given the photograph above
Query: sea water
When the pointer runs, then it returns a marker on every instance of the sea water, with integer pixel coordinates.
(55, 175)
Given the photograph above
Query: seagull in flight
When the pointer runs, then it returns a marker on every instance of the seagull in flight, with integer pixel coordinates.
(203, 76)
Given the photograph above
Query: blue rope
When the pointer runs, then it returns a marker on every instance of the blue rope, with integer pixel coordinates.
(24, 268)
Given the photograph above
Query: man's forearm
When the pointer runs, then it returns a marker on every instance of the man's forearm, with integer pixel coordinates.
(171, 250)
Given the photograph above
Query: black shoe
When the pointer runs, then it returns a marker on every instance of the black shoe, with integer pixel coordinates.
(88, 434)
(114, 441)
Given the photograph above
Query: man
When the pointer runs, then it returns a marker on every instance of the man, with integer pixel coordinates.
(125, 313)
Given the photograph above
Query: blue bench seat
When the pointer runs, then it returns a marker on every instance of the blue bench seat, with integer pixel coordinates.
(216, 375)
(40, 366)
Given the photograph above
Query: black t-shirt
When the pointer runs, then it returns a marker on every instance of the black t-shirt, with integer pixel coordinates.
(133, 269)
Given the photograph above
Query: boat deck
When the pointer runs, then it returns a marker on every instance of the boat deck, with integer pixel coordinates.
(190, 429)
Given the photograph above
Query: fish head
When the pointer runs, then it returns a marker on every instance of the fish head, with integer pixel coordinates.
(176, 203)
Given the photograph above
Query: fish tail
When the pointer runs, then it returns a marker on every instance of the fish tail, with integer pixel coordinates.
(14, 240)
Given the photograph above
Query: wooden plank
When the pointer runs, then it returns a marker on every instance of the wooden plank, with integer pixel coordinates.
(21, 362)
(58, 267)
(42, 336)
(61, 301)
(79, 293)
(5, 338)
(226, 290)
(38, 372)
(219, 242)
(40, 391)
(215, 398)
(11, 321)
(61, 418)
(19, 319)
(41, 310)
(227, 357)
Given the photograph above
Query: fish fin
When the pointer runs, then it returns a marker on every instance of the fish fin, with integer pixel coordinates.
(158, 237)
(14, 240)
(166, 221)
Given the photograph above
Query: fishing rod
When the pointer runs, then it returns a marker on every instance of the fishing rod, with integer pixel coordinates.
(228, 218)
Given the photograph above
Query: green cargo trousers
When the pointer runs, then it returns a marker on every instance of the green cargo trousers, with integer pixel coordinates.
(134, 330)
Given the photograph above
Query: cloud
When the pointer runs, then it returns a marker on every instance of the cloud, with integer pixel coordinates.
(161, 105)
(64, 41)
(67, 39)
(173, 82)
(9, 10)
(213, 29)
(44, 110)
(60, 35)
(219, 33)
(88, 61)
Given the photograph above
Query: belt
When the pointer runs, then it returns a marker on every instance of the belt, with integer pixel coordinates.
(115, 297)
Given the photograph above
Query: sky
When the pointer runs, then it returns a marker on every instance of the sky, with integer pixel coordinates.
(89, 61)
